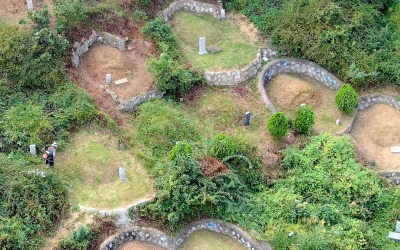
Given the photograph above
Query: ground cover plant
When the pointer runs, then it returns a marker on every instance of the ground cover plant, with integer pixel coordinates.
(204, 239)
(237, 50)
(353, 39)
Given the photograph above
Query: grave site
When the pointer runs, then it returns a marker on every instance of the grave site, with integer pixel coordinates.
(196, 125)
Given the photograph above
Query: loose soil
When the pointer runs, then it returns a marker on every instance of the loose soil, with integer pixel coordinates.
(376, 130)
(101, 60)
(11, 11)
(64, 230)
(288, 92)
(207, 240)
(135, 245)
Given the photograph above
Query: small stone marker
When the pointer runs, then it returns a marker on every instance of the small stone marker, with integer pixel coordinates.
(122, 174)
(398, 226)
(338, 122)
(32, 149)
(108, 79)
(30, 5)
(121, 81)
(395, 235)
(202, 46)
(214, 49)
(222, 13)
(247, 118)
(395, 150)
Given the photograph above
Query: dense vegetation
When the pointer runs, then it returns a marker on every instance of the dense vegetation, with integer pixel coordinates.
(358, 40)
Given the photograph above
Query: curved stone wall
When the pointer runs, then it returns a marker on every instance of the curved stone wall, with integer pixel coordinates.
(193, 6)
(101, 37)
(235, 76)
(154, 236)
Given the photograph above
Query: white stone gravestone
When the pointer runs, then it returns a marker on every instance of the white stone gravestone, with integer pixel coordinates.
(222, 14)
(122, 174)
(108, 79)
(32, 149)
(398, 226)
(30, 5)
(202, 46)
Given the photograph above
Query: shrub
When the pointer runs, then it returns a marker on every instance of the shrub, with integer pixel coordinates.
(223, 146)
(278, 125)
(181, 150)
(346, 99)
(159, 32)
(79, 240)
(304, 120)
(162, 124)
(68, 13)
(24, 124)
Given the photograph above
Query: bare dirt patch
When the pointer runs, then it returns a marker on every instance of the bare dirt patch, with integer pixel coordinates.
(135, 245)
(376, 130)
(246, 27)
(11, 11)
(287, 92)
(101, 60)
(66, 227)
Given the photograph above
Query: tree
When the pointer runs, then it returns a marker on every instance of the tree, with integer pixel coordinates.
(346, 99)
(304, 120)
(278, 125)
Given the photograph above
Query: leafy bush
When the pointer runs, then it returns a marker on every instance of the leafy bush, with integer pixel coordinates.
(223, 146)
(304, 120)
(278, 125)
(68, 13)
(24, 124)
(159, 32)
(346, 99)
(162, 124)
(79, 240)
(181, 150)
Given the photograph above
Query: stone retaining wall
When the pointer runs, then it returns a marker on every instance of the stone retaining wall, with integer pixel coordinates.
(236, 76)
(135, 101)
(154, 236)
(102, 37)
(193, 6)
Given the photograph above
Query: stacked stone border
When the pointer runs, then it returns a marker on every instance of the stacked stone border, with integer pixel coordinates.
(80, 49)
(120, 214)
(154, 236)
(193, 6)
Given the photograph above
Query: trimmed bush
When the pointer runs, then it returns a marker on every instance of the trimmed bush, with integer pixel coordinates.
(304, 120)
(278, 125)
(346, 99)
(181, 150)
(223, 146)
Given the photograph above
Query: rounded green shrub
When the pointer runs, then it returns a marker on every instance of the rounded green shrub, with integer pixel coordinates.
(181, 150)
(223, 146)
(278, 125)
(304, 120)
(346, 99)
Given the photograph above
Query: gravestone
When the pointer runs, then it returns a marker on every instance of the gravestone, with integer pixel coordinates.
(108, 79)
(398, 226)
(247, 118)
(338, 122)
(30, 5)
(214, 49)
(202, 46)
(122, 174)
(121, 81)
(32, 149)
(222, 14)
(395, 149)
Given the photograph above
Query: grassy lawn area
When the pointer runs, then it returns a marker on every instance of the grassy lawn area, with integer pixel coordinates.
(207, 240)
(237, 50)
(90, 163)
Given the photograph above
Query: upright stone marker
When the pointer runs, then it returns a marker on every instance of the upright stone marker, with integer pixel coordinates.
(247, 118)
(222, 14)
(30, 5)
(122, 174)
(32, 149)
(398, 226)
(202, 46)
(108, 79)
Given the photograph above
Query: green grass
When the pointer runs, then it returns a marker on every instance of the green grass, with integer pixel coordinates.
(90, 163)
(237, 50)
(207, 240)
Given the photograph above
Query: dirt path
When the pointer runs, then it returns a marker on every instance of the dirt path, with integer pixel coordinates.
(11, 11)
(376, 130)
